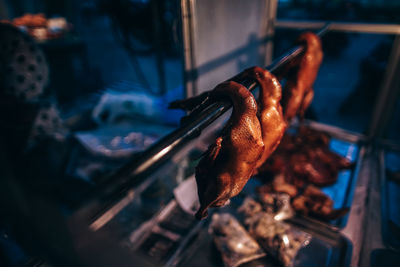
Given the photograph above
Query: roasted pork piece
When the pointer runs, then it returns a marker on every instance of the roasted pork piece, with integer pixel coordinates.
(310, 201)
(300, 163)
(315, 203)
(306, 158)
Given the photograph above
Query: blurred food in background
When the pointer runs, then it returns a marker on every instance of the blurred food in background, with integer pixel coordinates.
(40, 27)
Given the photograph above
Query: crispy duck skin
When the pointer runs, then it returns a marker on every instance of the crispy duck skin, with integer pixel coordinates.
(228, 164)
(273, 125)
(301, 75)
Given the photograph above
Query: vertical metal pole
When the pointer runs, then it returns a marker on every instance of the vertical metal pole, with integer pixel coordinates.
(188, 47)
(374, 218)
(271, 8)
(389, 92)
(155, 5)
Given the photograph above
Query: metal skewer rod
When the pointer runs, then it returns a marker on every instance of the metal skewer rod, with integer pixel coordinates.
(138, 167)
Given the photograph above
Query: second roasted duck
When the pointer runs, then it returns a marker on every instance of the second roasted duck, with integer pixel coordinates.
(300, 77)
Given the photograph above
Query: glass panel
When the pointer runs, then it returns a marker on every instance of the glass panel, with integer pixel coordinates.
(349, 78)
(229, 36)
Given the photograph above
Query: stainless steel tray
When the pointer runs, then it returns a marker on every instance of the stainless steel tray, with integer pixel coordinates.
(327, 248)
(175, 238)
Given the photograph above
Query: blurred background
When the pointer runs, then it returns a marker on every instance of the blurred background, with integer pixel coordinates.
(136, 46)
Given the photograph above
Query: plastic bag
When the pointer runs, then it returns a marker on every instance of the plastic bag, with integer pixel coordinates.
(279, 239)
(232, 240)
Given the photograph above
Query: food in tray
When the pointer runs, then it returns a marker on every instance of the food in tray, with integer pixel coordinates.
(306, 158)
(315, 203)
(31, 20)
(300, 75)
(232, 240)
(278, 185)
(279, 239)
(300, 164)
(40, 27)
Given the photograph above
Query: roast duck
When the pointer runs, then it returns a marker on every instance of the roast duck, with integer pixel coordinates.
(245, 141)
(255, 130)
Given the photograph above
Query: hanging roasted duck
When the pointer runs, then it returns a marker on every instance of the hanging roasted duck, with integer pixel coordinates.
(244, 142)
(300, 75)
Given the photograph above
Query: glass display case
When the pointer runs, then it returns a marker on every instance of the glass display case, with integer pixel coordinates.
(140, 210)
